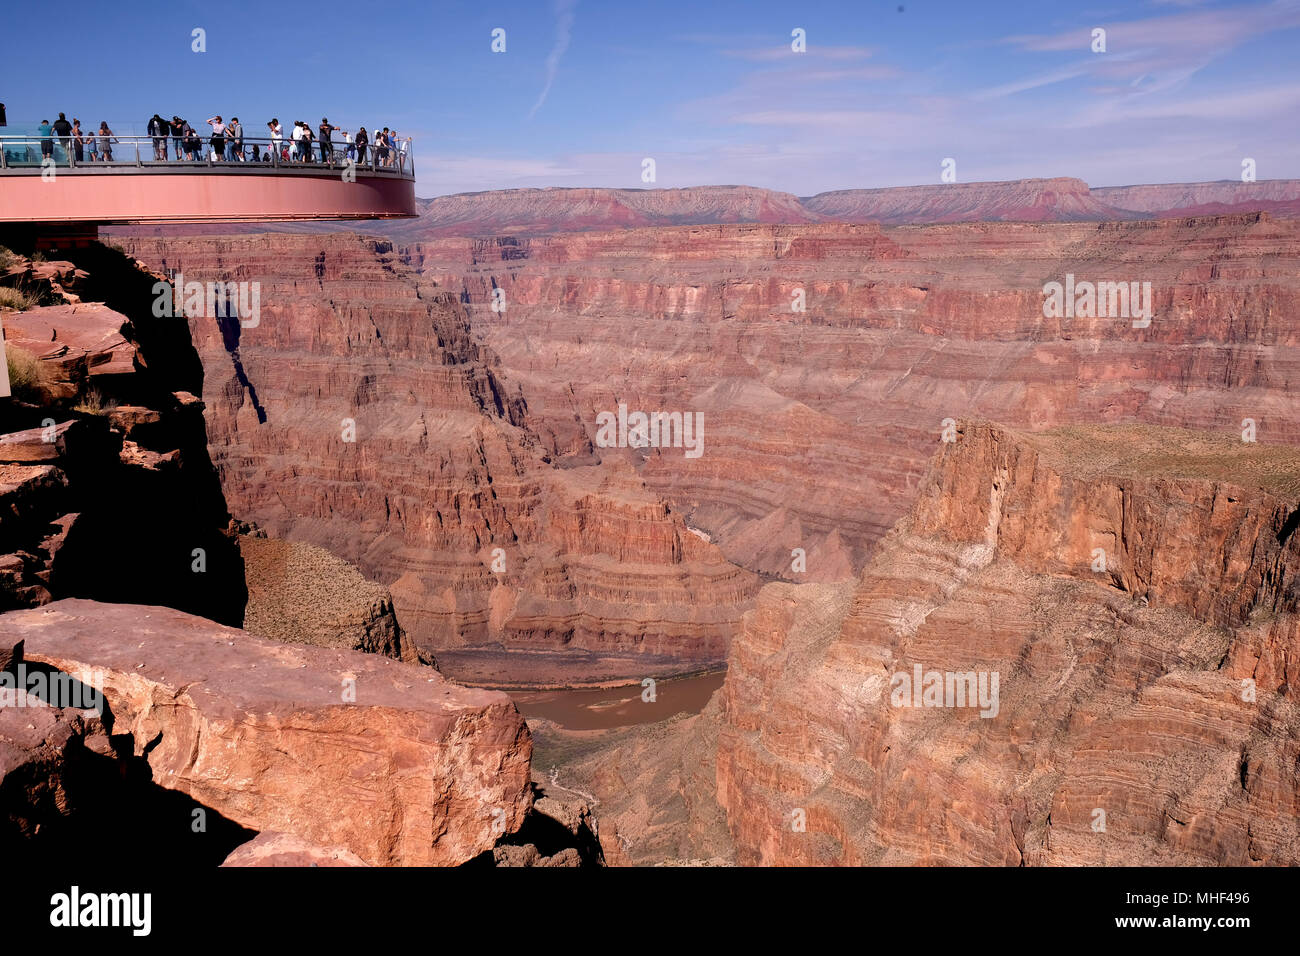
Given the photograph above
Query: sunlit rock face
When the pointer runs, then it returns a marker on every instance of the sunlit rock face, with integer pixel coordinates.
(359, 414)
(825, 359)
(1134, 592)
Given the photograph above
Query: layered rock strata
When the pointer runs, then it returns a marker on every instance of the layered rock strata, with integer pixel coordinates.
(1135, 592)
(106, 488)
(826, 359)
(338, 749)
(358, 414)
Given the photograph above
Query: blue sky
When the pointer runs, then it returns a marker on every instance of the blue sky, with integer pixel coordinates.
(710, 90)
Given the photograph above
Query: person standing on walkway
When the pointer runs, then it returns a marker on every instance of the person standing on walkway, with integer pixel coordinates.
(277, 136)
(78, 141)
(47, 143)
(193, 145)
(362, 138)
(177, 127)
(92, 146)
(235, 141)
(106, 142)
(63, 130)
(158, 129)
(218, 140)
(326, 144)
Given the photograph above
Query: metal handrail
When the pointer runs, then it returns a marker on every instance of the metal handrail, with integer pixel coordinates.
(27, 150)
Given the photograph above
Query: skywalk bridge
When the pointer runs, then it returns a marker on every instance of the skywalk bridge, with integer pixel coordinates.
(47, 187)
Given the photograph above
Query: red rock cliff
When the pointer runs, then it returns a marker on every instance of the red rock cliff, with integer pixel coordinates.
(1146, 712)
(360, 415)
(819, 422)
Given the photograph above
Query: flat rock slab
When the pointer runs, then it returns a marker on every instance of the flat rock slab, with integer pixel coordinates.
(416, 771)
(33, 444)
(285, 849)
(63, 332)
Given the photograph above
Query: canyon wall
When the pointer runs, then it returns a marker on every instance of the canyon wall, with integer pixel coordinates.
(535, 212)
(1280, 197)
(1023, 200)
(106, 488)
(818, 423)
(1146, 710)
(358, 414)
(526, 211)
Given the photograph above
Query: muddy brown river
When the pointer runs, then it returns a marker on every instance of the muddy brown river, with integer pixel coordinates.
(612, 707)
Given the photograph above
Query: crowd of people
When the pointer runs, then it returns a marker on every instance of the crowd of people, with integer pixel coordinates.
(175, 140)
(88, 145)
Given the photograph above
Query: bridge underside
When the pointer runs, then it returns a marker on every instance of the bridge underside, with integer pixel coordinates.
(79, 200)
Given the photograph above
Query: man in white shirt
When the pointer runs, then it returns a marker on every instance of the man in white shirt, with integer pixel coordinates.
(277, 134)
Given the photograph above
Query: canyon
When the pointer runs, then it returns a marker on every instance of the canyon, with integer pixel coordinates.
(906, 461)
(530, 212)
(1147, 712)
(360, 416)
(541, 211)
(819, 420)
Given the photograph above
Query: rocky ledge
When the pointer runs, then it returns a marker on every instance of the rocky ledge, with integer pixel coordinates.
(340, 750)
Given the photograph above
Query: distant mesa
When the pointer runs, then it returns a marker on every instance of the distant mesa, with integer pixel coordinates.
(533, 212)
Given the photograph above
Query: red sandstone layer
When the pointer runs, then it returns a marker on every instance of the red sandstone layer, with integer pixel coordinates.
(819, 423)
(360, 415)
(1147, 711)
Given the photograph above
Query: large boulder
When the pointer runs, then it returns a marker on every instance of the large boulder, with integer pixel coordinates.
(341, 749)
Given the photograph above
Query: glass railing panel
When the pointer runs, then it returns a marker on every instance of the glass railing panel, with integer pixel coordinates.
(22, 145)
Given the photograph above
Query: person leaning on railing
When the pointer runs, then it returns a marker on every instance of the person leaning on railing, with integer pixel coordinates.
(177, 129)
(326, 143)
(193, 145)
(63, 130)
(47, 142)
(157, 129)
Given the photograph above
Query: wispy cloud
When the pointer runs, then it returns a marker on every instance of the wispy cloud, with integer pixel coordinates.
(778, 53)
(564, 14)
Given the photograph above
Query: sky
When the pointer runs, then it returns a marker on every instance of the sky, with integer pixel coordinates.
(711, 90)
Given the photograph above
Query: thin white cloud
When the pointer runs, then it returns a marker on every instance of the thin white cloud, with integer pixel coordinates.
(814, 52)
(564, 13)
